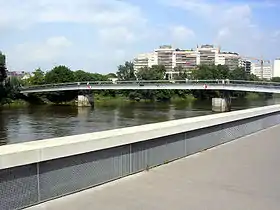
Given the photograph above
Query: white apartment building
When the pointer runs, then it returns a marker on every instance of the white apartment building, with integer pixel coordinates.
(187, 59)
(145, 60)
(165, 57)
(207, 54)
(267, 70)
(229, 59)
(246, 64)
(276, 68)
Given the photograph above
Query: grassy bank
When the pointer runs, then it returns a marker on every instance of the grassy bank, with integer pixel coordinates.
(15, 103)
(188, 98)
(99, 99)
(252, 96)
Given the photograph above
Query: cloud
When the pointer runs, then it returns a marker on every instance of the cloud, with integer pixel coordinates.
(120, 35)
(181, 32)
(49, 51)
(99, 12)
(115, 27)
(180, 35)
(195, 6)
(231, 21)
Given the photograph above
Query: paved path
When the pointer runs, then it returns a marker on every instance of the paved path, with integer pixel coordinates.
(241, 175)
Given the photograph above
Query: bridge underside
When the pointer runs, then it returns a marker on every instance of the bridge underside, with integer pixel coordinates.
(243, 174)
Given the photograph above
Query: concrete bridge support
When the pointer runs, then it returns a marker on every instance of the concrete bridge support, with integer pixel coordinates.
(85, 99)
(222, 104)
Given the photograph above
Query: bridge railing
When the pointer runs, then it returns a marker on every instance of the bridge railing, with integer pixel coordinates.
(153, 82)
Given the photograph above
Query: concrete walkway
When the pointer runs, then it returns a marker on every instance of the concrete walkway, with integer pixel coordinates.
(244, 174)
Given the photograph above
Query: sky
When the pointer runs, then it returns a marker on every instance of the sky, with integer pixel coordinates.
(99, 35)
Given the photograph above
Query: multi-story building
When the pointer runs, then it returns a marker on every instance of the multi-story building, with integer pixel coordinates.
(229, 59)
(246, 64)
(207, 54)
(266, 73)
(165, 57)
(19, 74)
(276, 68)
(145, 60)
(187, 59)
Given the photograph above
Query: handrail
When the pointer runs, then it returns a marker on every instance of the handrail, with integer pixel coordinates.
(169, 82)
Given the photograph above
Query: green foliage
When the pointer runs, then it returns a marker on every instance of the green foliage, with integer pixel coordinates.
(126, 72)
(111, 75)
(3, 70)
(275, 79)
(182, 74)
(38, 78)
(10, 90)
(59, 74)
(153, 73)
(239, 74)
(83, 76)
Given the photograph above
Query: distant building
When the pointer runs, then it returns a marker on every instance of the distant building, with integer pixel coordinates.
(165, 57)
(187, 59)
(246, 64)
(19, 74)
(207, 54)
(229, 59)
(145, 60)
(276, 68)
(267, 70)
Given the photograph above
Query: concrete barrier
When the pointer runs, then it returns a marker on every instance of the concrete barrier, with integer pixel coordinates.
(38, 171)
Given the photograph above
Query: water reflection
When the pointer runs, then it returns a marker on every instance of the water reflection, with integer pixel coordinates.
(41, 122)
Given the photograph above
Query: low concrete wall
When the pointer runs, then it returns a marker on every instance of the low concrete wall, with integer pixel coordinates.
(38, 171)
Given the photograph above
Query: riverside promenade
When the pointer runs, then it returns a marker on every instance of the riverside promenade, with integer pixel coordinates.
(243, 174)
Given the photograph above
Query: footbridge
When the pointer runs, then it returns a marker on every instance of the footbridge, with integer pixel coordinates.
(85, 97)
(233, 85)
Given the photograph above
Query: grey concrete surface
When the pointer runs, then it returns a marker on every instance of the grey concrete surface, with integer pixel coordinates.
(244, 174)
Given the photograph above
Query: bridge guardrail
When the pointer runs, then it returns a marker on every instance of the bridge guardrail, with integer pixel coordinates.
(153, 82)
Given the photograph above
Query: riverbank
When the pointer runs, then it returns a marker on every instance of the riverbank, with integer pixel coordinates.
(100, 99)
(15, 103)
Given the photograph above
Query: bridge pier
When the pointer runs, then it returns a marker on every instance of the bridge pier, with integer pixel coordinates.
(222, 104)
(85, 99)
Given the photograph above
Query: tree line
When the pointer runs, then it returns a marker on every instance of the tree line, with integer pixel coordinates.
(9, 90)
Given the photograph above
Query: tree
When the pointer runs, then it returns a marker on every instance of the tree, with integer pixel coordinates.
(126, 72)
(10, 90)
(82, 76)
(275, 79)
(111, 75)
(183, 74)
(3, 70)
(59, 74)
(239, 74)
(38, 78)
(98, 77)
(156, 72)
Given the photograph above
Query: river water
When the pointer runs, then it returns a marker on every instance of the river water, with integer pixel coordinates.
(41, 122)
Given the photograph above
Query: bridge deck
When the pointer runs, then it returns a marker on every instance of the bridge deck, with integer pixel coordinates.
(243, 174)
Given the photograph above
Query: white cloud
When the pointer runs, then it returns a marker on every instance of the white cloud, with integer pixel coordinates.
(118, 24)
(181, 33)
(232, 21)
(117, 35)
(37, 53)
(99, 12)
(197, 6)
